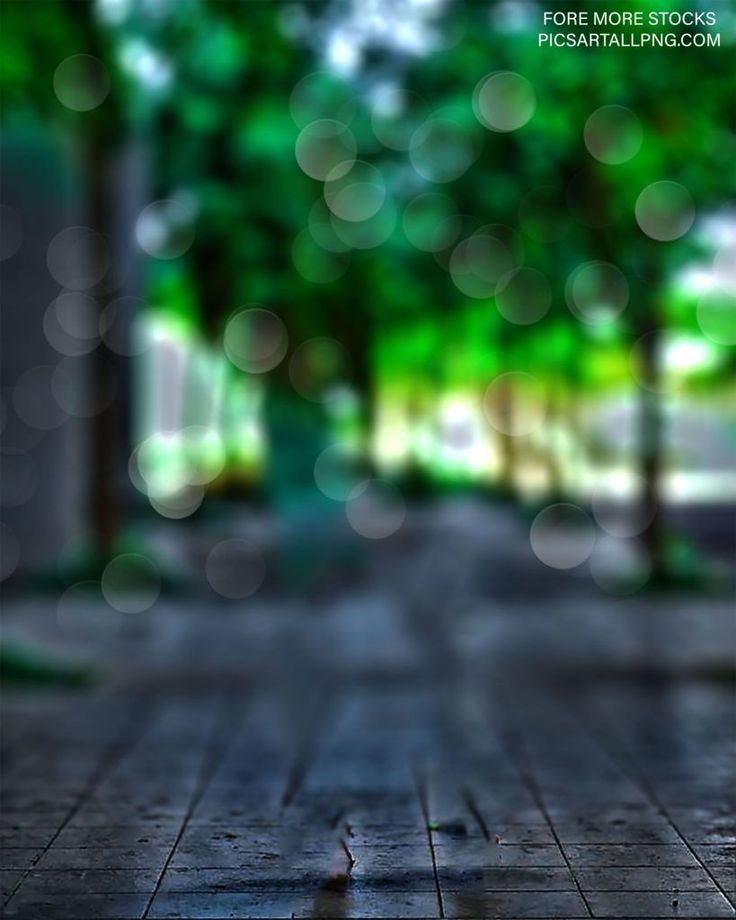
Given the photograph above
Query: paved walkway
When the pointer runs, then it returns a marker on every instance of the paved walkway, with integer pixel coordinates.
(432, 726)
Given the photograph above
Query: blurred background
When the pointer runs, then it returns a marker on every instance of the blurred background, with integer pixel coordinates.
(287, 286)
(301, 261)
(363, 350)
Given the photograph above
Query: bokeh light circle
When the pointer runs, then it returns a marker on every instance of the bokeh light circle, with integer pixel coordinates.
(562, 536)
(78, 258)
(504, 101)
(235, 568)
(255, 339)
(375, 509)
(165, 229)
(523, 296)
(339, 470)
(622, 515)
(70, 324)
(367, 234)
(443, 148)
(597, 292)
(157, 467)
(665, 210)
(203, 454)
(619, 566)
(131, 583)
(613, 134)
(325, 147)
(478, 263)
(81, 82)
(356, 194)
(178, 505)
(716, 316)
(318, 367)
(78, 315)
(514, 403)
(121, 326)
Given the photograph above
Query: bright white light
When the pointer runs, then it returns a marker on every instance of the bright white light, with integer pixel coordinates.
(113, 12)
(343, 54)
(397, 25)
(696, 280)
(720, 230)
(150, 68)
(685, 355)
(411, 37)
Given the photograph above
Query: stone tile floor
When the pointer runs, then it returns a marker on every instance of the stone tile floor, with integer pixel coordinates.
(450, 730)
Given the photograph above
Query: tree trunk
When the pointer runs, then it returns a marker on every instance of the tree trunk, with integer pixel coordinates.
(104, 510)
(506, 442)
(651, 444)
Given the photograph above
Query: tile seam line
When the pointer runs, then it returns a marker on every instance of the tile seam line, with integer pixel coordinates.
(212, 756)
(112, 752)
(637, 774)
(521, 762)
(421, 789)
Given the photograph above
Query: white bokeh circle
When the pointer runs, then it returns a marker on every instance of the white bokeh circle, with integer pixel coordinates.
(620, 566)
(131, 583)
(523, 296)
(165, 229)
(504, 101)
(255, 339)
(340, 470)
(597, 292)
(81, 82)
(562, 536)
(613, 134)
(665, 210)
(514, 403)
(78, 258)
(375, 509)
(325, 147)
